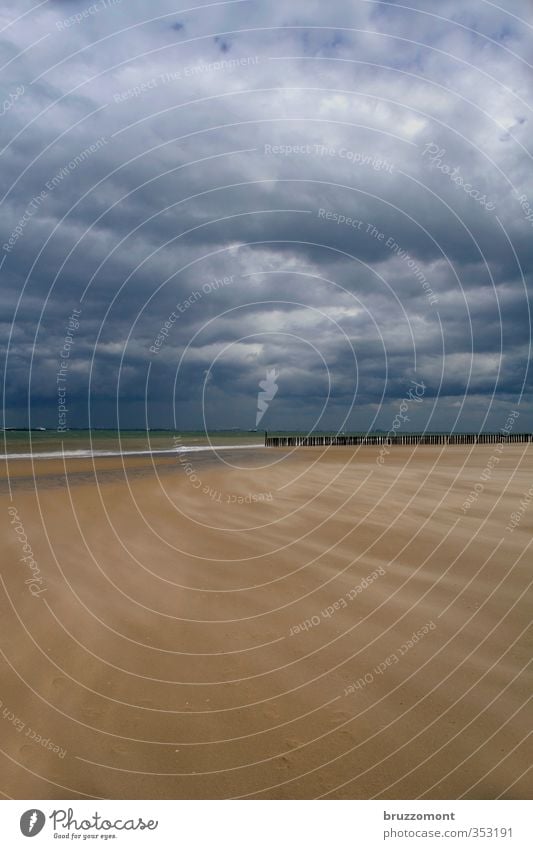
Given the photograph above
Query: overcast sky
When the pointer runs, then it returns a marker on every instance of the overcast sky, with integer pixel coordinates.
(341, 191)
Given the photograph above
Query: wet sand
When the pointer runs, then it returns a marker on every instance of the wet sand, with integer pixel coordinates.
(310, 625)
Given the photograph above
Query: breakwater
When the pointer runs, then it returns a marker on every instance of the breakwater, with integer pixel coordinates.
(399, 439)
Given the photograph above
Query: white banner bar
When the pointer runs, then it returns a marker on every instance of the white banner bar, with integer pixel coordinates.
(268, 824)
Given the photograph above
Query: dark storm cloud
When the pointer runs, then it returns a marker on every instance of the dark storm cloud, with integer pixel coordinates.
(360, 173)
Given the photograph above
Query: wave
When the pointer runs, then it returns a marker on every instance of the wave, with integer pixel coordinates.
(101, 452)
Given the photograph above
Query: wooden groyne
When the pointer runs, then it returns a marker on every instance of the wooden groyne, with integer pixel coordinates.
(398, 439)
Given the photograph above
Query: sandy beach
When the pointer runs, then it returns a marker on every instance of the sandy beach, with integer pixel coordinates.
(285, 625)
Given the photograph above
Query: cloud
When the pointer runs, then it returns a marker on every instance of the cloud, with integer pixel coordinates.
(206, 145)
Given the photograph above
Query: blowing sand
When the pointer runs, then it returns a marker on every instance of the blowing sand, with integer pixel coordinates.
(309, 625)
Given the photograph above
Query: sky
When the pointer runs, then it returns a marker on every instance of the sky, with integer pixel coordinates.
(332, 199)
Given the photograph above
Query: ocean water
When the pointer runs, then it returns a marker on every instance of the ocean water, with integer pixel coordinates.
(110, 443)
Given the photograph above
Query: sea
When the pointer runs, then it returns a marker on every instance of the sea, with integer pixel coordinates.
(49, 444)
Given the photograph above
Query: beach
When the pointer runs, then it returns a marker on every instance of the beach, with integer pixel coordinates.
(267, 624)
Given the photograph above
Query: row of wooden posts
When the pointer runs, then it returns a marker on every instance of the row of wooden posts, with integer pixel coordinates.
(398, 439)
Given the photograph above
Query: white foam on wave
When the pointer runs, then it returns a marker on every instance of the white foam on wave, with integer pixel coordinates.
(88, 454)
